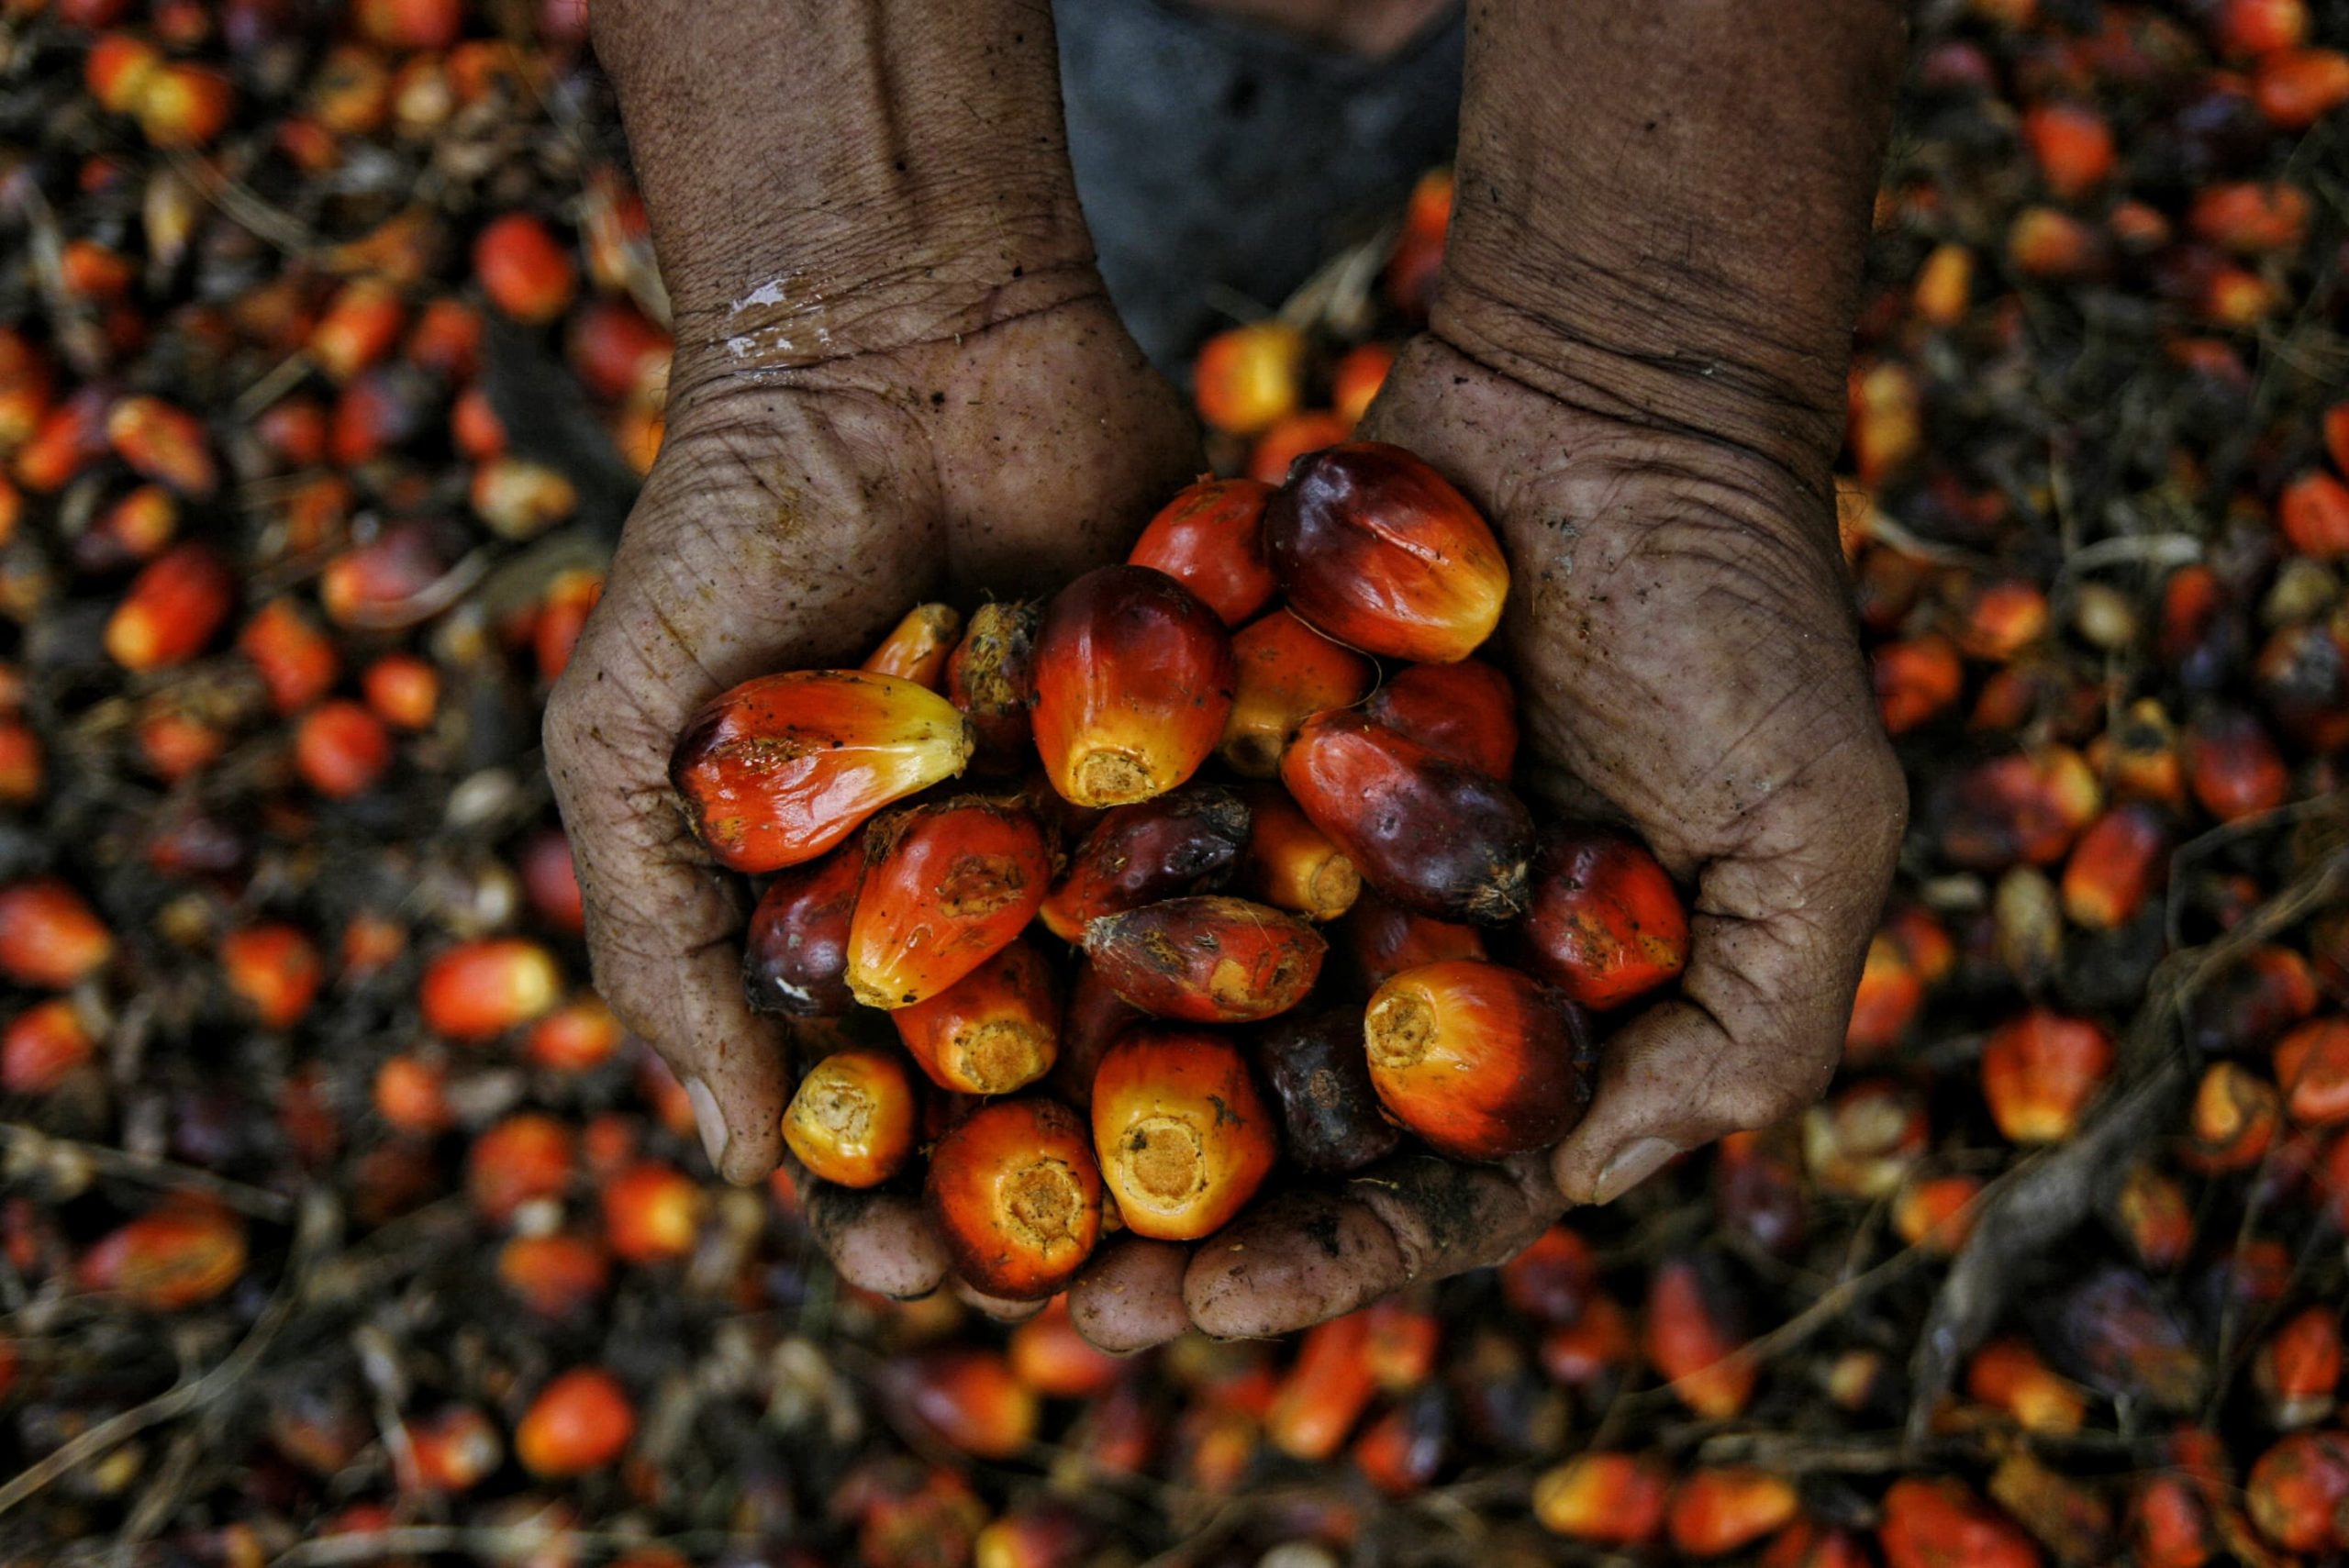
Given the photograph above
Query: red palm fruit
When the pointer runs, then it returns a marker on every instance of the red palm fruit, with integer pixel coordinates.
(1015, 1196)
(118, 70)
(69, 437)
(1288, 673)
(164, 444)
(580, 1422)
(1247, 377)
(994, 1030)
(620, 354)
(2000, 617)
(551, 882)
(1934, 1523)
(2250, 218)
(21, 763)
(474, 426)
(2071, 144)
(1690, 1337)
(1356, 379)
(555, 1276)
(991, 678)
(49, 938)
(1605, 925)
(1916, 679)
(968, 1398)
(652, 1212)
(184, 105)
(1210, 539)
(1325, 1391)
(1888, 1000)
(2122, 859)
(412, 1095)
(1376, 548)
(2313, 513)
(2233, 1121)
(455, 1450)
(297, 660)
(1465, 711)
(171, 609)
(1207, 959)
(1049, 1356)
(525, 272)
(1291, 864)
(2297, 87)
(363, 586)
(2312, 1067)
(1183, 842)
(1384, 940)
(2336, 434)
(1330, 1120)
(1426, 832)
(1716, 1512)
(1807, 1545)
(2008, 1374)
(2039, 1070)
(2155, 1217)
(1937, 1214)
(1480, 1061)
(526, 1157)
(341, 749)
(133, 529)
(563, 616)
(2298, 1369)
(2296, 1491)
(41, 1046)
(403, 691)
(1134, 679)
(780, 769)
(409, 24)
(1183, 1136)
(1090, 1024)
(2016, 808)
(2169, 1527)
(478, 990)
(1291, 437)
(1411, 270)
(1610, 1499)
(275, 970)
(2245, 29)
(1553, 1280)
(946, 887)
(1404, 1341)
(180, 1255)
(2053, 246)
(918, 647)
(575, 1037)
(361, 325)
(795, 955)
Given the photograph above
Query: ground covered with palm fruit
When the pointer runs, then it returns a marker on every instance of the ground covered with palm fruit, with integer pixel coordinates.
(339, 1223)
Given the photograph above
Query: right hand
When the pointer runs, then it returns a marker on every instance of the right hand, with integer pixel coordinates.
(798, 509)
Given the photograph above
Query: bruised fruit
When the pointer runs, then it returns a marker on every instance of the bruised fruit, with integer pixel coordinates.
(1015, 1196)
(1183, 1137)
(1480, 1061)
(1376, 548)
(851, 1119)
(995, 1029)
(1178, 843)
(1320, 1078)
(1206, 960)
(1428, 833)
(1210, 539)
(779, 769)
(794, 955)
(946, 887)
(1134, 678)
(1606, 924)
(1288, 673)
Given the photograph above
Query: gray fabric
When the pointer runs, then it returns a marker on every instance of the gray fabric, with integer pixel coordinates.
(1220, 163)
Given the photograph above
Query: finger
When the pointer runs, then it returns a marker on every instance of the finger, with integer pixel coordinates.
(1130, 1296)
(1757, 1028)
(1298, 1260)
(879, 1241)
(1002, 1308)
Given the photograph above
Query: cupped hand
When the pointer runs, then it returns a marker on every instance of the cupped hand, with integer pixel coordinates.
(1685, 659)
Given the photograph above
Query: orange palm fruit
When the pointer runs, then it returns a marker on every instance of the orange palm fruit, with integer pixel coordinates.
(1377, 549)
(1690, 1334)
(526, 1158)
(172, 609)
(1183, 1137)
(1356, 379)
(182, 1255)
(2298, 1368)
(1185, 842)
(994, 1030)
(275, 970)
(580, 1422)
(991, 678)
(133, 529)
(1937, 1214)
(341, 748)
(2008, 1374)
(164, 444)
(2122, 857)
(652, 1212)
(361, 325)
(969, 1398)
(1478, 1060)
(1290, 437)
(2073, 146)
(456, 1449)
(2250, 216)
(1426, 832)
(1291, 864)
(918, 647)
(50, 939)
(1050, 1357)
(2039, 1070)
(41, 1046)
(1937, 1522)
(477, 990)
(1383, 941)
(402, 690)
(1207, 959)
(1401, 1451)
(1606, 925)
(795, 952)
(1916, 679)
(1610, 1499)
(2170, 1524)
(2312, 1068)
(575, 1037)
(851, 1119)
(2232, 766)
(1016, 1196)
(780, 769)
(184, 105)
(22, 764)
(1465, 711)
(1210, 539)
(946, 887)
(1716, 1512)
(297, 660)
(2297, 87)
(1134, 679)
(1247, 377)
(2232, 1120)
(2296, 1491)
(524, 271)
(1325, 1391)
(1288, 673)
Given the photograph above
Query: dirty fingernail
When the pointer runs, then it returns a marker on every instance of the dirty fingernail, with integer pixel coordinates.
(711, 1119)
(1632, 1164)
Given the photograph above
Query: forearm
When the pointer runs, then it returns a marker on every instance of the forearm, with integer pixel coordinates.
(1663, 207)
(826, 176)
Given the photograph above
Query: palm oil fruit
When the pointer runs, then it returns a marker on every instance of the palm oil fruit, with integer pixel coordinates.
(1321, 1079)
(1015, 1196)
(1465, 711)
(991, 678)
(1206, 960)
(779, 769)
(1478, 1060)
(1184, 1136)
(1183, 842)
(1377, 549)
(1134, 678)
(995, 1029)
(852, 1119)
(1383, 941)
(1288, 673)
(946, 887)
(1293, 865)
(1210, 539)
(794, 955)
(1606, 925)
(918, 647)
(1433, 835)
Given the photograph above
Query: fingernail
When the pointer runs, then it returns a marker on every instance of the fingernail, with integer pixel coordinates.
(711, 1120)
(1633, 1163)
